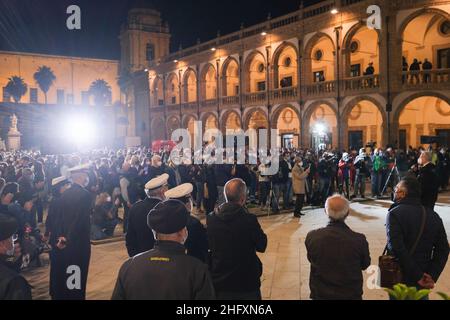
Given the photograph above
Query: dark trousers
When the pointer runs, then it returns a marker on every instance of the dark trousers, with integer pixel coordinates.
(248, 296)
(299, 201)
(126, 212)
(264, 188)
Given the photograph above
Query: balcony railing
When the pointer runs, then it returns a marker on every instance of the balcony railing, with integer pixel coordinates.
(284, 94)
(209, 103)
(320, 88)
(190, 105)
(363, 83)
(426, 79)
(231, 100)
(255, 98)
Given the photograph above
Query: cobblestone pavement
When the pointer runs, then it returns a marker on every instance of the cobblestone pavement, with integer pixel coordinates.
(286, 268)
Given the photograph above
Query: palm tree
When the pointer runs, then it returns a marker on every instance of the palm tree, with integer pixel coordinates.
(101, 91)
(16, 88)
(44, 77)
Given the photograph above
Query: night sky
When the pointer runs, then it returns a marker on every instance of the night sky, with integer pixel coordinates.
(40, 25)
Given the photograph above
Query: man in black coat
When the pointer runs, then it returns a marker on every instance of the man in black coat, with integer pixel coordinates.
(166, 272)
(73, 230)
(234, 237)
(12, 285)
(139, 238)
(429, 181)
(423, 267)
(197, 241)
(337, 255)
(279, 182)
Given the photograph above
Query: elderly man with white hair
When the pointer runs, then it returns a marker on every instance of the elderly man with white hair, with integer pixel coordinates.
(337, 255)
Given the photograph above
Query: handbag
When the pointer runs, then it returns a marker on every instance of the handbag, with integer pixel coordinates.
(390, 270)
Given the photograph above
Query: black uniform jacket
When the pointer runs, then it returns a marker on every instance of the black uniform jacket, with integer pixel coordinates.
(12, 285)
(429, 183)
(164, 273)
(139, 237)
(234, 237)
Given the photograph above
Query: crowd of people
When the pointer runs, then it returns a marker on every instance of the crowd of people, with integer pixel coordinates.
(84, 192)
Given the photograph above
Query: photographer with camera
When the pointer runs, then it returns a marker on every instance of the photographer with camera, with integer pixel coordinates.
(362, 171)
(345, 166)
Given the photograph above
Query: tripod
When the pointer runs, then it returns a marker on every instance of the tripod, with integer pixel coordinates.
(269, 204)
(391, 174)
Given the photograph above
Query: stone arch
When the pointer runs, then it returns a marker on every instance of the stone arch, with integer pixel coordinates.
(248, 116)
(204, 83)
(398, 110)
(421, 119)
(226, 84)
(349, 107)
(423, 35)
(158, 90)
(275, 62)
(307, 56)
(347, 42)
(225, 117)
(190, 94)
(172, 88)
(247, 71)
(306, 121)
(204, 118)
(173, 123)
(277, 112)
(418, 13)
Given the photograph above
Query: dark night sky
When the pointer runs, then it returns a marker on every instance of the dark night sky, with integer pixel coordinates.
(40, 25)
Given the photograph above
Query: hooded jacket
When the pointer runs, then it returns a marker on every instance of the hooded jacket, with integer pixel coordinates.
(234, 237)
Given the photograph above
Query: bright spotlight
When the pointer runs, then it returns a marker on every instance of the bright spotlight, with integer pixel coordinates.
(320, 128)
(80, 130)
(334, 11)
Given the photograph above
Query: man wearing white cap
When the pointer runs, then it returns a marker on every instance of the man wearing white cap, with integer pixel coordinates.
(73, 247)
(197, 241)
(139, 237)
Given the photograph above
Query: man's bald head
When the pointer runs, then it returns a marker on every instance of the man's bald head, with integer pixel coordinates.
(236, 191)
(337, 208)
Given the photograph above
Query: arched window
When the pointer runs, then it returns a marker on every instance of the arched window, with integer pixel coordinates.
(150, 52)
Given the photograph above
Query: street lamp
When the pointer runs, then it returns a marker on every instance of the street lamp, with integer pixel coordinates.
(334, 11)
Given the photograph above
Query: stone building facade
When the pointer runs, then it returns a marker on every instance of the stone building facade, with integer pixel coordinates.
(305, 74)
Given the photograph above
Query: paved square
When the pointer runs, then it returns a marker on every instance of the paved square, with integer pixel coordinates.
(286, 268)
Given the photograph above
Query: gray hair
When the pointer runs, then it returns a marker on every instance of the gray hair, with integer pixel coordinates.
(337, 207)
(235, 190)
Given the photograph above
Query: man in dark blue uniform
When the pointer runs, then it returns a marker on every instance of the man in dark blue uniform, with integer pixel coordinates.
(166, 272)
(12, 285)
(139, 239)
(197, 241)
(73, 248)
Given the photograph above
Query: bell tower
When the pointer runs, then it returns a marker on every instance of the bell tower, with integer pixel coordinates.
(143, 38)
